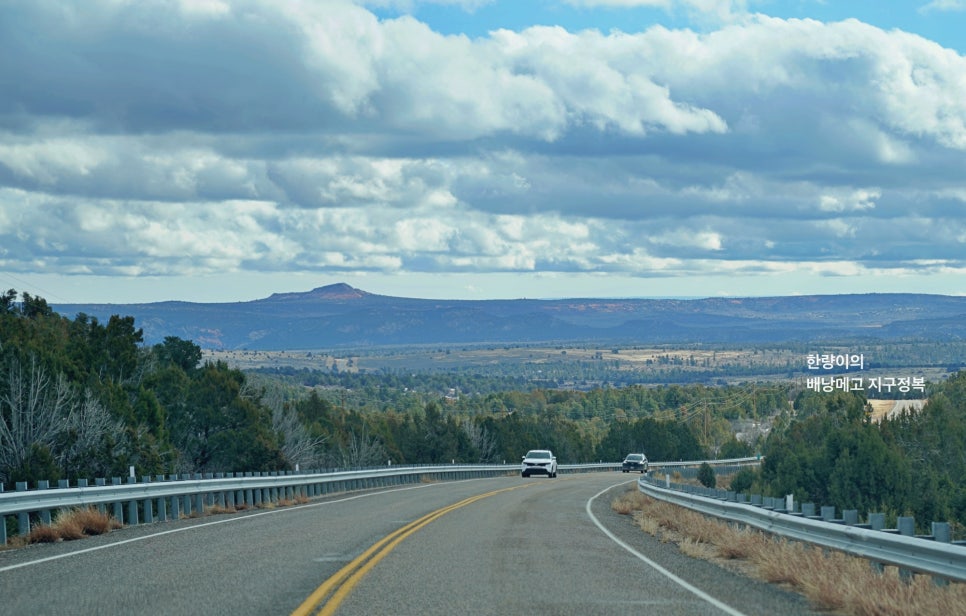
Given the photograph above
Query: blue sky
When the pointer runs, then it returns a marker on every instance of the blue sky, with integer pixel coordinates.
(224, 150)
(941, 22)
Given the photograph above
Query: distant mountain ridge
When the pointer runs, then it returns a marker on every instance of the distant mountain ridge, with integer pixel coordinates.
(340, 315)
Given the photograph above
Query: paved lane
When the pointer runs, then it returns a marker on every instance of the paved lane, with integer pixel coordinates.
(538, 551)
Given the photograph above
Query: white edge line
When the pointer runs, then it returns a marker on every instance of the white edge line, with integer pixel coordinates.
(693, 589)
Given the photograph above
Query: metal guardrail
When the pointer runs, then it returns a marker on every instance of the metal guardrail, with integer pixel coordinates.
(748, 461)
(885, 546)
(160, 498)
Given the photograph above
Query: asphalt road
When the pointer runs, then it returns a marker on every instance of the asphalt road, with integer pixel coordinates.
(500, 546)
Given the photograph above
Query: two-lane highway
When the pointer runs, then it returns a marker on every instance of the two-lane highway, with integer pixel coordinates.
(490, 546)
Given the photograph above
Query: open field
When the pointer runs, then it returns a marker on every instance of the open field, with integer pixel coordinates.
(887, 409)
(630, 359)
(586, 366)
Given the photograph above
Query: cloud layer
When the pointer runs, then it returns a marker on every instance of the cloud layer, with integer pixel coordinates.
(165, 138)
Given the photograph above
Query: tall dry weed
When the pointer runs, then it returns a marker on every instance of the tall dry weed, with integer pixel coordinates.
(626, 503)
(832, 581)
(73, 524)
(43, 533)
(69, 528)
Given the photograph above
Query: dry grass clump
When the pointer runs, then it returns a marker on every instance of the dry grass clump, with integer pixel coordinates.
(298, 499)
(218, 509)
(832, 581)
(44, 533)
(626, 503)
(697, 549)
(70, 529)
(74, 524)
(79, 523)
(94, 522)
(742, 543)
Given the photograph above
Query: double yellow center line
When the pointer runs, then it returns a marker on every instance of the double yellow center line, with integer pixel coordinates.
(327, 597)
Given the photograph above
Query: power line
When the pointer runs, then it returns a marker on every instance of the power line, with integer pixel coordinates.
(23, 283)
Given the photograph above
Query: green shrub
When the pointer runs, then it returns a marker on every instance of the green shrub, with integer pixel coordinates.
(744, 479)
(706, 475)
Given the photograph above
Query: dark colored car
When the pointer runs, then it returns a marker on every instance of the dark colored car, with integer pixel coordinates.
(634, 462)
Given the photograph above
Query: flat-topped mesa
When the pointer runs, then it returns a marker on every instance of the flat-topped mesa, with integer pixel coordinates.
(338, 291)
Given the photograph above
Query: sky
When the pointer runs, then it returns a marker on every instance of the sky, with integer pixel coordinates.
(222, 150)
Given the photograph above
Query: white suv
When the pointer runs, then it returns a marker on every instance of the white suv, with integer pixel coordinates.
(539, 461)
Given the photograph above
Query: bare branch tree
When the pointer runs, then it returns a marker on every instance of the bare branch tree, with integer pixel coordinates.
(481, 440)
(88, 423)
(298, 446)
(33, 410)
(361, 450)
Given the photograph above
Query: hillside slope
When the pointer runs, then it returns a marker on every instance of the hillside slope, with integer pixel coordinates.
(339, 315)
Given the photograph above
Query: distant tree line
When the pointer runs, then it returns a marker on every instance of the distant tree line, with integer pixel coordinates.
(81, 398)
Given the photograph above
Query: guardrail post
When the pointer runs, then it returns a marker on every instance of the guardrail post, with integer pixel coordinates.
(175, 507)
(118, 506)
(941, 533)
(148, 503)
(808, 510)
(162, 504)
(23, 518)
(209, 496)
(43, 484)
(100, 481)
(850, 517)
(828, 512)
(159, 504)
(906, 525)
(877, 521)
(186, 498)
(222, 501)
(132, 505)
(907, 528)
(199, 498)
